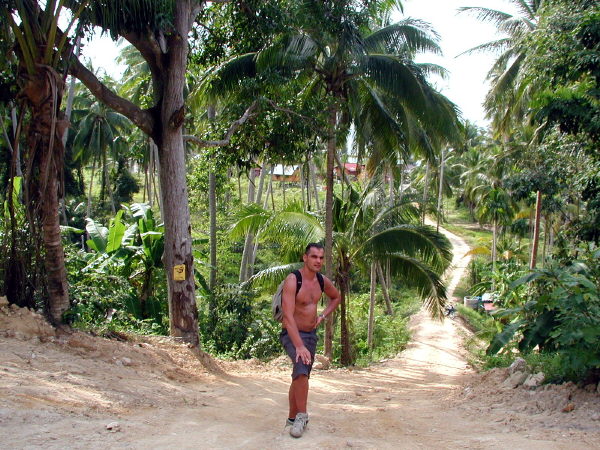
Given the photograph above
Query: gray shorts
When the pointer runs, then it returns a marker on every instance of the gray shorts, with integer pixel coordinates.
(310, 342)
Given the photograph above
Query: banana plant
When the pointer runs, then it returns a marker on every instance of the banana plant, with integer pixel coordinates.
(134, 249)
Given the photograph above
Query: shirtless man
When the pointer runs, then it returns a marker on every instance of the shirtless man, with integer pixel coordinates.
(299, 334)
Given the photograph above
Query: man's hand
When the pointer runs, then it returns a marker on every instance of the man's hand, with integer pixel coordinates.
(320, 319)
(302, 354)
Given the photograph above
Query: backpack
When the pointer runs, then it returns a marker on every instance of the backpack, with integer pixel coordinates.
(276, 307)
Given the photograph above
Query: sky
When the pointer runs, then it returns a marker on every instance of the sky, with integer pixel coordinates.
(466, 85)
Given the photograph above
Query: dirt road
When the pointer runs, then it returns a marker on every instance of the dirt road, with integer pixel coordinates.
(78, 391)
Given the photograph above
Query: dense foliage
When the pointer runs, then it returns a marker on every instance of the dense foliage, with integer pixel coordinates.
(303, 84)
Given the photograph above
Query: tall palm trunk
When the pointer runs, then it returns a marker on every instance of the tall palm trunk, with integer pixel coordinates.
(304, 195)
(313, 177)
(346, 351)
(425, 194)
(89, 199)
(391, 187)
(17, 147)
(441, 185)
(536, 231)
(250, 236)
(46, 159)
(372, 306)
(212, 213)
(401, 189)
(266, 168)
(384, 289)
(494, 247)
(331, 145)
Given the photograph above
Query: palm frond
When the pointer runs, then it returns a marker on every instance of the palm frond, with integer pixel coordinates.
(489, 15)
(249, 219)
(409, 35)
(225, 79)
(497, 46)
(397, 78)
(417, 274)
(433, 69)
(271, 277)
(294, 229)
(419, 241)
(289, 53)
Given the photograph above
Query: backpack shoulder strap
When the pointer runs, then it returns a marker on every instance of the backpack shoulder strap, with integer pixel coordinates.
(298, 280)
(321, 281)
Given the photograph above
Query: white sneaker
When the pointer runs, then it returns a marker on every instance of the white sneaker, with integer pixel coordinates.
(299, 425)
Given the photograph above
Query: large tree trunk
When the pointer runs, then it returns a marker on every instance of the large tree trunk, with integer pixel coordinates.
(46, 158)
(331, 145)
(178, 241)
(166, 55)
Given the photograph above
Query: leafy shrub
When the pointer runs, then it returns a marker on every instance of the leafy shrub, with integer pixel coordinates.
(225, 318)
(108, 302)
(390, 332)
(125, 186)
(560, 314)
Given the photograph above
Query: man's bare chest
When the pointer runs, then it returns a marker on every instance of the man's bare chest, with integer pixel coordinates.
(308, 295)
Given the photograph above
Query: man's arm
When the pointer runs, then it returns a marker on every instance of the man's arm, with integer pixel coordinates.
(334, 300)
(288, 303)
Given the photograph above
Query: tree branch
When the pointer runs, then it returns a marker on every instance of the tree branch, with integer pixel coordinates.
(140, 117)
(288, 111)
(232, 129)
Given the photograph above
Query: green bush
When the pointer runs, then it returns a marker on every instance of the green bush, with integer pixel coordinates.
(107, 302)
(559, 315)
(233, 325)
(390, 332)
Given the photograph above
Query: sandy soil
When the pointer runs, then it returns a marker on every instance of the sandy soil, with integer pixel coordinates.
(80, 391)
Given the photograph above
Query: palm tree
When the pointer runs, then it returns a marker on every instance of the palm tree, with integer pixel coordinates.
(97, 138)
(366, 78)
(417, 254)
(38, 48)
(510, 91)
(496, 207)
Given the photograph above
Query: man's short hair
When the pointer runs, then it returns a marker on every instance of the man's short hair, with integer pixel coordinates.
(313, 245)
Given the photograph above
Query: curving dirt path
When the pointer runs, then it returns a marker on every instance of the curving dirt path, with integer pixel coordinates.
(63, 393)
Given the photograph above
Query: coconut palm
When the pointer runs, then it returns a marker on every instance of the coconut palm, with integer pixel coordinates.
(362, 77)
(498, 208)
(363, 233)
(99, 131)
(38, 48)
(510, 91)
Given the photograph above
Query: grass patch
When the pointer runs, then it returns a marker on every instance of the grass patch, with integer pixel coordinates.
(458, 221)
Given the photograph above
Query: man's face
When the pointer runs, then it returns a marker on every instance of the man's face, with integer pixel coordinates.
(313, 260)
